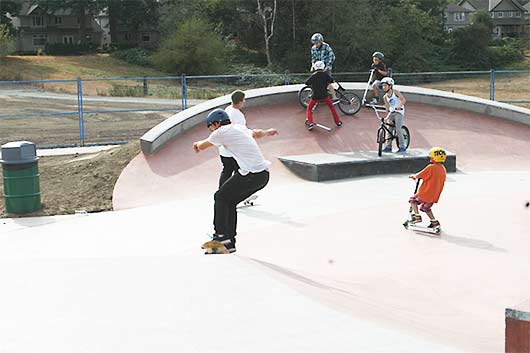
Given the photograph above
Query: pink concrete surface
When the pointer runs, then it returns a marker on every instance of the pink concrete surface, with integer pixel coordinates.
(175, 172)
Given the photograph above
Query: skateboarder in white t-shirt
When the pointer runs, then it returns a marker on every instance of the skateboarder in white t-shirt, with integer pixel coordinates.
(252, 175)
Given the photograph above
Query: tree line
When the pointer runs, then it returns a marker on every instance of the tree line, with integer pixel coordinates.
(211, 36)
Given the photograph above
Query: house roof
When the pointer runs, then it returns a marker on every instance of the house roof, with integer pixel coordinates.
(27, 9)
(456, 8)
(477, 4)
(494, 3)
(489, 5)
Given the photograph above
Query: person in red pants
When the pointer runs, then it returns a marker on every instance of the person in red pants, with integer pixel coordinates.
(319, 82)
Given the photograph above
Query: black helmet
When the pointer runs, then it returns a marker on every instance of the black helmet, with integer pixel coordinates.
(216, 116)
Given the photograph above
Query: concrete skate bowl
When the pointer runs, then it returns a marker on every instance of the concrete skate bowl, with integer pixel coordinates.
(483, 134)
(341, 243)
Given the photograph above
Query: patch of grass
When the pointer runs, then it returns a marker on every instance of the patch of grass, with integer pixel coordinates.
(71, 67)
(507, 86)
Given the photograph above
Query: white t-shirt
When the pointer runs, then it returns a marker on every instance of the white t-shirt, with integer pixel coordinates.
(394, 101)
(236, 117)
(238, 140)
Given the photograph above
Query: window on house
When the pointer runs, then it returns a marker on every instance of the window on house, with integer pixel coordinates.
(58, 20)
(510, 13)
(460, 16)
(497, 31)
(146, 37)
(37, 21)
(500, 14)
(68, 39)
(39, 39)
(517, 14)
(492, 14)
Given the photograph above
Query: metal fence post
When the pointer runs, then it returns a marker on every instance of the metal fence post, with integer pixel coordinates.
(184, 98)
(286, 80)
(146, 91)
(80, 112)
(492, 84)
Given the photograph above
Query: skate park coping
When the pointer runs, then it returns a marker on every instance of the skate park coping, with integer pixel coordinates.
(167, 130)
(519, 312)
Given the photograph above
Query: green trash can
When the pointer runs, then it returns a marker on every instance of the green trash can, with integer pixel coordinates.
(21, 177)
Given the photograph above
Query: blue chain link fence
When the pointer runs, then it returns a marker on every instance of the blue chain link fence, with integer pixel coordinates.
(92, 111)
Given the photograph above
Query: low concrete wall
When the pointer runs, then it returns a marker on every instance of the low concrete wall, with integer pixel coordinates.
(335, 166)
(164, 132)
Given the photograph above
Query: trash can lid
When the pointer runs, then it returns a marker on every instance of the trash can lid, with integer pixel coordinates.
(18, 152)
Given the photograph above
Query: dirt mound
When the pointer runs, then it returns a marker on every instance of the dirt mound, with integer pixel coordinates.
(78, 182)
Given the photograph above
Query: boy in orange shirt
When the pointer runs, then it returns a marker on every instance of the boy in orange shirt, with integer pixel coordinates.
(433, 177)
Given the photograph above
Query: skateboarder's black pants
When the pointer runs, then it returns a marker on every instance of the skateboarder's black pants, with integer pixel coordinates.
(236, 189)
(230, 166)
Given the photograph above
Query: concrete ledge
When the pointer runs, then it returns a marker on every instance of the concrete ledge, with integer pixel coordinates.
(520, 312)
(164, 132)
(326, 166)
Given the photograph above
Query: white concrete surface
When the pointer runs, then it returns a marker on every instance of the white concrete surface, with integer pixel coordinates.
(320, 267)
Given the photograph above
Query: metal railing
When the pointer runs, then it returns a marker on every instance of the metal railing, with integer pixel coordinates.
(167, 91)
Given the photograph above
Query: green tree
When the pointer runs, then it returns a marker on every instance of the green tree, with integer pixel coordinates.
(132, 14)
(195, 48)
(6, 41)
(8, 7)
(469, 45)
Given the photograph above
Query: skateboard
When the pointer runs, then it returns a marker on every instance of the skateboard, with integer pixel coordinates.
(323, 127)
(213, 247)
(248, 202)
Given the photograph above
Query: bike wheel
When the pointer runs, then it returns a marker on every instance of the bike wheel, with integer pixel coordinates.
(380, 141)
(406, 136)
(304, 96)
(349, 102)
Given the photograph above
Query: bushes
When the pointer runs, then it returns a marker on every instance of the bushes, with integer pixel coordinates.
(135, 56)
(193, 49)
(70, 49)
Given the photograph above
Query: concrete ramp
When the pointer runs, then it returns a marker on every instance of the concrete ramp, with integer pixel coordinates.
(334, 166)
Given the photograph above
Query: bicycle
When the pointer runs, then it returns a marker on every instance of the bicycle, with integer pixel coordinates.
(384, 131)
(349, 103)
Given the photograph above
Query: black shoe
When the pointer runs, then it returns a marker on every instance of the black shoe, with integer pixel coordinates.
(230, 247)
(310, 127)
(434, 224)
(229, 243)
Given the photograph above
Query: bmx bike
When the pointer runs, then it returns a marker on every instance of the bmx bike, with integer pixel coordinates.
(388, 129)
(348, 102)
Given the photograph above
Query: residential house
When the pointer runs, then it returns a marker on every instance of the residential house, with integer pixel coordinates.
(510, 17)
(36, 28)
(146, 36)
(457, 17)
